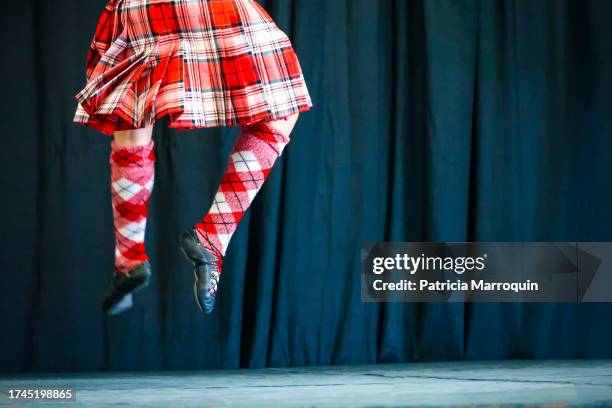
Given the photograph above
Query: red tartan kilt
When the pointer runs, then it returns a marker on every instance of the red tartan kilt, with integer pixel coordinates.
(201, 63)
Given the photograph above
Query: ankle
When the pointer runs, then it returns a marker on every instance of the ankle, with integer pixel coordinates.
(123, 267)
(208, 244)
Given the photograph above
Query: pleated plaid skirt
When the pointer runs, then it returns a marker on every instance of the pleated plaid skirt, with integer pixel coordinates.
(203, 63)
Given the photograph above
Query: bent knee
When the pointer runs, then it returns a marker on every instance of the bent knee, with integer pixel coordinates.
(134, 137)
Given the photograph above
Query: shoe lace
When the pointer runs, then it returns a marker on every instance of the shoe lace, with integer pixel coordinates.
(217, 266)
(215, 272)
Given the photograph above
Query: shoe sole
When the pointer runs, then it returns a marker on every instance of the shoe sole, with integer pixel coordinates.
(122, 305)
(127, 300)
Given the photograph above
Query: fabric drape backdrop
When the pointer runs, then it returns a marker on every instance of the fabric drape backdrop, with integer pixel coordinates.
(434, 120)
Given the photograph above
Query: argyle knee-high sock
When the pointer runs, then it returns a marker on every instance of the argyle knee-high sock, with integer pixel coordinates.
(250, 162)
(132, 176)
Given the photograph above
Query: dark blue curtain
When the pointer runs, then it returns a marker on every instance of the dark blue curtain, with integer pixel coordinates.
(434, 120)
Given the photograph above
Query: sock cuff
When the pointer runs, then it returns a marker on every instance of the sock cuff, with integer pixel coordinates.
(137, 156)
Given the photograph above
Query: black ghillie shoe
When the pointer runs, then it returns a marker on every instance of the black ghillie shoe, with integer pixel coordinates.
(206, 268)
(118, 297)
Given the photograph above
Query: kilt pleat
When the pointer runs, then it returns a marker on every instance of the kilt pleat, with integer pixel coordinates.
(202, 63)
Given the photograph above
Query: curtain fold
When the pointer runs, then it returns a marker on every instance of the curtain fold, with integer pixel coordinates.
(434, 120)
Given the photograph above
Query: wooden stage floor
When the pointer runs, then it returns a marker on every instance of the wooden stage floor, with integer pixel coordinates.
(488, 383)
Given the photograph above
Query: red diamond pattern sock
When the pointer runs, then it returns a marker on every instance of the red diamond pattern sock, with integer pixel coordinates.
(250, 162)
(132, 176)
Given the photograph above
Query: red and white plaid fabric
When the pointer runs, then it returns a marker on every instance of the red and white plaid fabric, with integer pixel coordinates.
(132, 179)
(250, 162)
(203, 63)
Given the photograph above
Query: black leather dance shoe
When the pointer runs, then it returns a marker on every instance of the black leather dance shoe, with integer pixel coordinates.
(206, 268)
(118, 297)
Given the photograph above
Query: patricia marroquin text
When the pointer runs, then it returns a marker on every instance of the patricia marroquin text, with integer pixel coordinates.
(458, 285)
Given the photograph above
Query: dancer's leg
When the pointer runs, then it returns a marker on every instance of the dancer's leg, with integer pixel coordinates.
(250, 162)
(132, 174)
